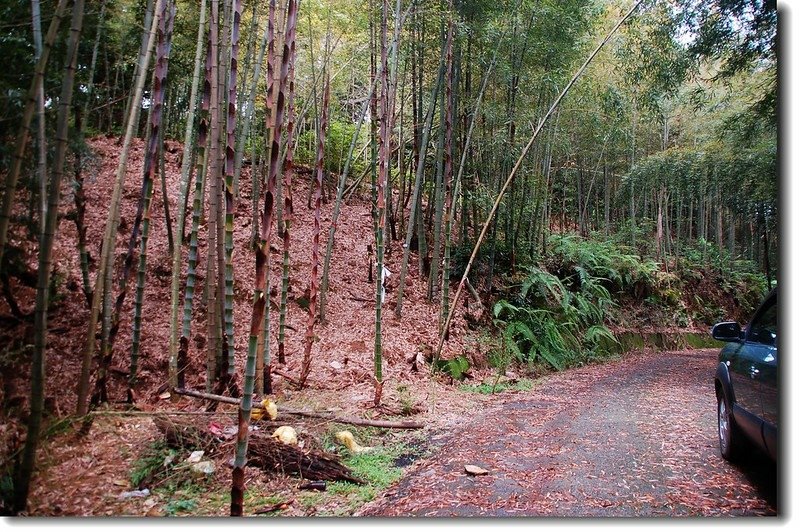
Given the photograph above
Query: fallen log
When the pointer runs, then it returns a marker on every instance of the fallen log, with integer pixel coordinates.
(264, 452)
(380, 423)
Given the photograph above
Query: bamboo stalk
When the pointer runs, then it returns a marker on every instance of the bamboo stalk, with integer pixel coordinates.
(285, 190)
(259, 297)
(47, 238)
(317, 200)
(101, 284)
(448, 163)
(176, 345)
(165, 26)
(413, 215)
(230, 207)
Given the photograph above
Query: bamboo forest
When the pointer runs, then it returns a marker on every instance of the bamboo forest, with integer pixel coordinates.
(276, 258)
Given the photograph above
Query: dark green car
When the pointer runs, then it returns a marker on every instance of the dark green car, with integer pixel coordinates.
(746, 382)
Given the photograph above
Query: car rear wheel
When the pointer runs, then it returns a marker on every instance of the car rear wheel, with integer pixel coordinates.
(730, 439)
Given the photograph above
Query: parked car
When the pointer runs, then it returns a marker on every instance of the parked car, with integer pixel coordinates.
(746, 382)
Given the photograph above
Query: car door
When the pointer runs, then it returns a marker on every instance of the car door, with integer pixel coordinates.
(761, 342)
(743, 369)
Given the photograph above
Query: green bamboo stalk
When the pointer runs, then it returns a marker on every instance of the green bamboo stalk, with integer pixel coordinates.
(230, 206)
(102, 286)
(80, 212)
(10, 182)
(448, 111)
(271, 124)
(287, 214)
(215, 317)
(384, 157)
(340, 189)
(47, 238)
(111, 319)
(203, 150)
(438, 202)
(518, 164)
(259, 298)
(249, 106)
(41, 140)
(176, 345)
(156, 145)
(263, 382)
(280, 37)
(133, 110)
(93, 63)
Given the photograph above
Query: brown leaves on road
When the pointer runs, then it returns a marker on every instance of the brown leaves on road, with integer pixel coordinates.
(633, 438)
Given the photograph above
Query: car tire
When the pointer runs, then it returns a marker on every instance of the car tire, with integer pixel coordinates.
(730, 437)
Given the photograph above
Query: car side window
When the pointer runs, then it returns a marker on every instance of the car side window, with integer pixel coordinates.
(764, 328)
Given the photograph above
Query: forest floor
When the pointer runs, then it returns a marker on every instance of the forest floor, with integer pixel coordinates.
(92, 472)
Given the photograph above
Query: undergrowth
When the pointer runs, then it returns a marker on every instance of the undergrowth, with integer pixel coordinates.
(559, 311)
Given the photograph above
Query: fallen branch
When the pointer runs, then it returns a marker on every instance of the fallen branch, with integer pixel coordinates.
(286, 376)
(386, 424)
(274, 507)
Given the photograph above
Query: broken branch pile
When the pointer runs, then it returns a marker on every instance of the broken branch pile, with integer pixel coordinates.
(264, 452)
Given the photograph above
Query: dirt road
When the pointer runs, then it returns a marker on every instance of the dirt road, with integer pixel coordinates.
(635, 437)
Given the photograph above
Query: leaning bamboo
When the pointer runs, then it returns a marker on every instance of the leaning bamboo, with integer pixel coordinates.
(47, 238)
(10, 182)
(516, 167)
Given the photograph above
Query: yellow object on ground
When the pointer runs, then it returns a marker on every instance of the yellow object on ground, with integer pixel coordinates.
(268, 407)
(286, 434)
(345, 437)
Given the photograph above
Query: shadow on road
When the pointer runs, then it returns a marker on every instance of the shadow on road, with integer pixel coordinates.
(762, 473)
